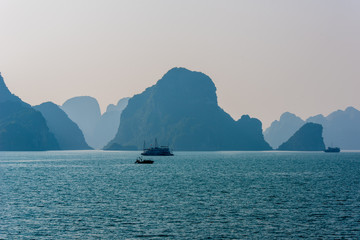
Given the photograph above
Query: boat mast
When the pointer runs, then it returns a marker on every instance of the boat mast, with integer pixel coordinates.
(156, 143)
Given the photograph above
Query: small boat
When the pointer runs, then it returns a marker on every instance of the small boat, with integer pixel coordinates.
(140, 160)
(332, 150)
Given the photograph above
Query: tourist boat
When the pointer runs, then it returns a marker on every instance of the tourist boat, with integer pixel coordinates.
(140, 160)
(157, 151)
(332, 150)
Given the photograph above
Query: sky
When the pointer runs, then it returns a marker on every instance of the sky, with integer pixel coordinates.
(265, 57)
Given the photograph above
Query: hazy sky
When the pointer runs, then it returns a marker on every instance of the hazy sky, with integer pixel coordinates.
(265, 57)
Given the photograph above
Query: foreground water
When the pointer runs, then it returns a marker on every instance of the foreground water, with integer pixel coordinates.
(213, 195)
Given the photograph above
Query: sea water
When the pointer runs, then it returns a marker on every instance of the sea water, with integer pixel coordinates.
(193, 195)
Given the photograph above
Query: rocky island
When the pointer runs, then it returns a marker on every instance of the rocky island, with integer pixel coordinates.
(307, 138)
(181, 110)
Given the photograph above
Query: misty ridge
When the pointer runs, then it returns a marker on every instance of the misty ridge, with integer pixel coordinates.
(98, 129)
(341, 128)
(181, 110)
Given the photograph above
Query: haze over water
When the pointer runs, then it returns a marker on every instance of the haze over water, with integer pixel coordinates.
(215, 195)
(265, 57)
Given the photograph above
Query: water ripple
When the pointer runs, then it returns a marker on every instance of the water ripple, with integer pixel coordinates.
(217, 195)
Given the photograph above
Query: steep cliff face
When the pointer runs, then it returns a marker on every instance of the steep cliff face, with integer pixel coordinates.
(182, 110)
(21, 127)
(282, 129)
(307, 138)
(67, 133)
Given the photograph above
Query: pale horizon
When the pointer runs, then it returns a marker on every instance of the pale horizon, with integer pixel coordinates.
(265, 58)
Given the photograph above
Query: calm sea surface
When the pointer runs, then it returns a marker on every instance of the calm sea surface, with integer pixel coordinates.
(193, 195)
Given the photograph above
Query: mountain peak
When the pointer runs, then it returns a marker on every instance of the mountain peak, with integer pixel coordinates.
(178, 70)
(351, 109)
(3, 87)
(82, 99)
(281, 130)
(184, 75)
(287, 116)
(179, 82)
(5, 94)
(119, 107)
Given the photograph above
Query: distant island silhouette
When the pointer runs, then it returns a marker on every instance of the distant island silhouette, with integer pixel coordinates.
(106, 128)
(85, 112)
(280, 131)
(98, 129)
(181, 110)
(341, 128)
